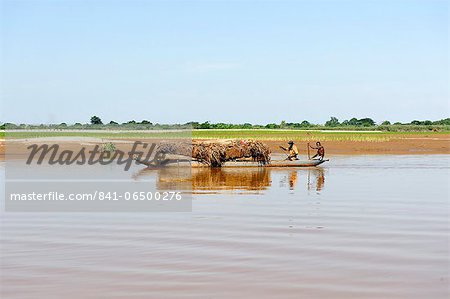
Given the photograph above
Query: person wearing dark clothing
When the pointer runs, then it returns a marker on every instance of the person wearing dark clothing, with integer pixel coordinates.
(320, 151)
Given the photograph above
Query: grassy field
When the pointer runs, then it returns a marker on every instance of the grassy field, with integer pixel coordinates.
(98, 134)
(298, 135)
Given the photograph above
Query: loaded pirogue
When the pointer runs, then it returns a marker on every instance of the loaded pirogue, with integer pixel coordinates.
(222, 153)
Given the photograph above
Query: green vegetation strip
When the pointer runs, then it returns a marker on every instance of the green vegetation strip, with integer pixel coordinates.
(298, 135)
(104, 134)
(292, 135)
(305, 135)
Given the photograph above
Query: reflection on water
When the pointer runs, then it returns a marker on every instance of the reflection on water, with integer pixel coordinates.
(241, 179)
(377, 229)
(230, 179)
(293, 179)
(319, 178)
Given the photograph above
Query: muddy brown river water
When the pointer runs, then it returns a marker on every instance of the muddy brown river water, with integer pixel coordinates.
(358, 227)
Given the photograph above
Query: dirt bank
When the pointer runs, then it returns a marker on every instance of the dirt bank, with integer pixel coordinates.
(2, 149)
(403, 146)
(411, 145)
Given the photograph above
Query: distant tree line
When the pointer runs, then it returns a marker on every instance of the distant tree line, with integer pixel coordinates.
(332, 124)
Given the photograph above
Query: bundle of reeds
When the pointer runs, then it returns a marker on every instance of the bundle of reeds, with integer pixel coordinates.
(238, 149)
(212, 154)
(215, 153)
(175, 148)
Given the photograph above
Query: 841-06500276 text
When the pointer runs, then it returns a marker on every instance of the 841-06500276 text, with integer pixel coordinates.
(98, 195)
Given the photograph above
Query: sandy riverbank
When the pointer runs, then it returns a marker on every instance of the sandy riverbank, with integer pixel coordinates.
(405, 146)
(411, 145)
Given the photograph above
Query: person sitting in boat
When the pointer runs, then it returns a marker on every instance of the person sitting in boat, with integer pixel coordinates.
(292, 150)
(320, 151)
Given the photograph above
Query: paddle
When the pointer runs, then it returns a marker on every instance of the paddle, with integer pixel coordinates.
(285, 149)
(309, 156)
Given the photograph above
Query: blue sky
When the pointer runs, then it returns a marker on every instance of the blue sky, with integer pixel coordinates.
(224, 61)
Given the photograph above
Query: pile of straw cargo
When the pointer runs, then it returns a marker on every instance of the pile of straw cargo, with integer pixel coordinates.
(215, 153)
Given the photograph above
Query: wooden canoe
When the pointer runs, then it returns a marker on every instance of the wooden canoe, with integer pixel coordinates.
(195, 164)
